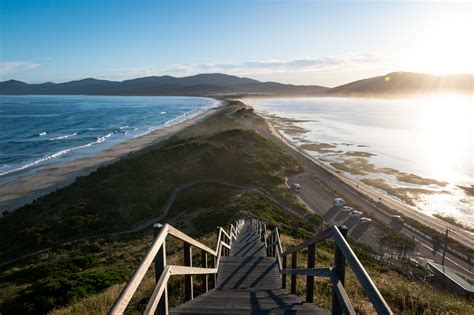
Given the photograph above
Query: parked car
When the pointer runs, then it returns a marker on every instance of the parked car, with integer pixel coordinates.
(347, 209)
(338, 202)
(296, 187)
(356, 214)
(364, 219)
(397, 218)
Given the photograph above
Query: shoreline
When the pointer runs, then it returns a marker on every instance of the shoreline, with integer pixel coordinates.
(25, 189)
(372, 193)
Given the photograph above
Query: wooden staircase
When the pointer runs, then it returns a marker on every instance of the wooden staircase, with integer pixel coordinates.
(248, 282)
(247, 273)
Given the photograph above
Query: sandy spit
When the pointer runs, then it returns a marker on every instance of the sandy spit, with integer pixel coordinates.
(29, 187)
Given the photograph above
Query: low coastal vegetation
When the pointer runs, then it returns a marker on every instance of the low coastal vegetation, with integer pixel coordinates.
(408, 195)
(453, 221)
(235, 173)
(117, 196)
(124, 194)
(402, 294)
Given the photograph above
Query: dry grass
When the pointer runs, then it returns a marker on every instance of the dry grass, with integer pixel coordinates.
(402, 295)
(95, 304)
(102, 302)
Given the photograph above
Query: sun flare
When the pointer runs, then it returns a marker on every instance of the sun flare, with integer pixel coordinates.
(444, 46)
(447, 124)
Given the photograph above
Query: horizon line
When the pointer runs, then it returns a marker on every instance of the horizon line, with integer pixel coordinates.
(242, 77)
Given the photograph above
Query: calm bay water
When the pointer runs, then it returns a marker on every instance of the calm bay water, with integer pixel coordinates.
(432, 138)
(36, 131)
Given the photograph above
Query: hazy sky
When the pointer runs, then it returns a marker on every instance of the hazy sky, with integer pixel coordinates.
(304, 42)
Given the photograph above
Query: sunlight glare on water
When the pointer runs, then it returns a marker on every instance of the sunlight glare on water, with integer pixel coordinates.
(431, 137)
(447, 132)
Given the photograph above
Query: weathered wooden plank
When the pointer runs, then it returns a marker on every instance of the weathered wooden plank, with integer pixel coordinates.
(373, 293)
(129, 290)
(315, 239)
(225, 233)
(151, 307)
(225, 245)
(185, 270)
(180, 235)
(280, 248)
(188, 279)
(294, 257)
(317, 272)
(205, 278)
(341, 295)
(310, 278)
(160, 263)
(340, 271)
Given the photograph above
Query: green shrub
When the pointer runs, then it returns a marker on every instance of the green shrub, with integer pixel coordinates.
(53, 291)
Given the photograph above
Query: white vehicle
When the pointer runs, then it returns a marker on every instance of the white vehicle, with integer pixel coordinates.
(365, 220)
(347, 209)
(296, 187)
(397, 218)
(356, 214)
(338, 202)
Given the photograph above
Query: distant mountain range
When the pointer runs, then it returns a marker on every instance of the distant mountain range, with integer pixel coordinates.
(217, 84)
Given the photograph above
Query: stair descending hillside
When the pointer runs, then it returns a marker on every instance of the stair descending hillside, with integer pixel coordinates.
(248, 283)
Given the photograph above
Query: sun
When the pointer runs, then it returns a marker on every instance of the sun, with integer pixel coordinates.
(445, 45)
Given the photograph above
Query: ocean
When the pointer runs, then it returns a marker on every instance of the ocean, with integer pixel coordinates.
(423, 147)
(40, 131)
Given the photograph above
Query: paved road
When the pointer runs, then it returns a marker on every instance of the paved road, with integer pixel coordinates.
(316, 196)
(319, 187)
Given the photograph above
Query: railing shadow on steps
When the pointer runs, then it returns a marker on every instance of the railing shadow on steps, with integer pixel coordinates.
(157, 253)
(342, 253)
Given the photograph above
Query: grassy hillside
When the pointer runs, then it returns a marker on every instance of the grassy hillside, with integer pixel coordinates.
(136, 188)
(403, 295)
(86, 277)
(406, 83)
(117, 196)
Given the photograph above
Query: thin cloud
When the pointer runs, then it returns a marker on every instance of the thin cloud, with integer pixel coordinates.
(324, 64)
(9, 67)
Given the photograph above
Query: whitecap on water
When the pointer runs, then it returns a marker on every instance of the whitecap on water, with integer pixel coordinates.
(64, 137)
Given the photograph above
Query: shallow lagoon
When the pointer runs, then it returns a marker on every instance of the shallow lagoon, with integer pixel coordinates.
(422, 147)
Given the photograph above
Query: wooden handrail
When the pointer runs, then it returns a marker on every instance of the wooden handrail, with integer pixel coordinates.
(315, 239)
(127, 292)
(158, 300)
(343, 252)
(180, 235)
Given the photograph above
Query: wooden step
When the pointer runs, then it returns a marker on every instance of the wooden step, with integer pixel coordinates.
(248, 282)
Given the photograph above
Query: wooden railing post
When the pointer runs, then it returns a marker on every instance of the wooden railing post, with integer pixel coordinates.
(219, 247)
(264, 232)
(272, 249)
(294, 258)
(269, 243)
(283, 276)
(273, 243)
(205, 278)
(160, 263)
(340, 269)
(213, 279)
(310, 279)
(226, 250)
(188, 279)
